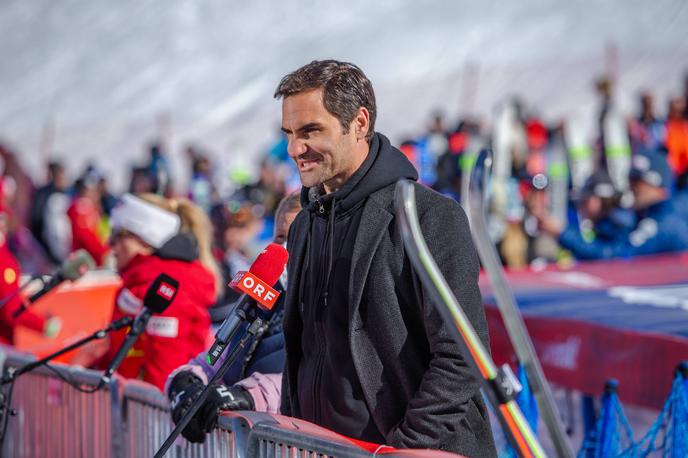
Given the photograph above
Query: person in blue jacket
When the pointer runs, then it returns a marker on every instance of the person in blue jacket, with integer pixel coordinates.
(660, 225)
(600, 218)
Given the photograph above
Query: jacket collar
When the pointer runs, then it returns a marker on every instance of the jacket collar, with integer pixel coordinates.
(376, 214)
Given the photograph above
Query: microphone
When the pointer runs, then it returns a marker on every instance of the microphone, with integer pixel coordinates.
(256, 284)
(257, 288)
(73, 268)
(159, 296)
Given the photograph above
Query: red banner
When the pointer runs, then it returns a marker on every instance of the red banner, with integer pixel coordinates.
(582, 356)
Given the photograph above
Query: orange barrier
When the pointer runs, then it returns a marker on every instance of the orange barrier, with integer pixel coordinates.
(83, 306)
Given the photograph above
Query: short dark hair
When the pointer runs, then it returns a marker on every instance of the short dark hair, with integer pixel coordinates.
(289, 203)
(55, 167)
(345, 89)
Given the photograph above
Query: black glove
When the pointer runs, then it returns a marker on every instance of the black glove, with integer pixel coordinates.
(220, 398)
(185, 388)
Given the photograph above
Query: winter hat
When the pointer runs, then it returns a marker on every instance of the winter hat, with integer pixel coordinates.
(652, 168)
(149, 222)
(599, 185)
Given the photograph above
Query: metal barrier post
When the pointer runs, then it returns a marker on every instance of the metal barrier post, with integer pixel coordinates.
(54, 419)
(147, 422)
(115, 426)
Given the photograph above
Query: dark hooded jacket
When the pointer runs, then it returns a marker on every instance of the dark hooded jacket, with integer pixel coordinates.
(367, 354)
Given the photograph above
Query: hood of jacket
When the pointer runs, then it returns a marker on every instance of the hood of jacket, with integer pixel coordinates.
(182, 247)
(383, 166)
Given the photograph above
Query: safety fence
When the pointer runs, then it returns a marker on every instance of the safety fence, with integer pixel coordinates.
(130, 418)
(55, 420)
(146, 424)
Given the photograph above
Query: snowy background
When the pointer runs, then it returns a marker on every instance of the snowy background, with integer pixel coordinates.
(96, 80)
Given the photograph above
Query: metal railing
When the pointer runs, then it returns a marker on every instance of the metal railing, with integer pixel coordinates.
(54, 420)
(146, 424)
(131, 418)
(275, 436)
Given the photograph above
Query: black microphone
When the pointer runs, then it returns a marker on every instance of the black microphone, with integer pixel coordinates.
(158, 297)
(73, 268)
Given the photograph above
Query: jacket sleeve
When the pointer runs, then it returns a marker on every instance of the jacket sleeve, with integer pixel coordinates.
(445, 399)
(265, 389)
(573, 240)
(200, 367)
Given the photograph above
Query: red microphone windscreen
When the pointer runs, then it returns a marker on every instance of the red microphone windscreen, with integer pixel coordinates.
(270, 263)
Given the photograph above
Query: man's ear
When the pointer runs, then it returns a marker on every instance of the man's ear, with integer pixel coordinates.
(361, 123)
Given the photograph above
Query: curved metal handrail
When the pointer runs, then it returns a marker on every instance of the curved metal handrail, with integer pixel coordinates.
(507, 411)
(474, 203)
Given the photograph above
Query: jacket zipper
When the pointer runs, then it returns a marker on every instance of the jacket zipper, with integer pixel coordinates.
(318, 320)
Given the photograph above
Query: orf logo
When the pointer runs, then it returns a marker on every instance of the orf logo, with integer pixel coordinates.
(250, 284)
(167, 291)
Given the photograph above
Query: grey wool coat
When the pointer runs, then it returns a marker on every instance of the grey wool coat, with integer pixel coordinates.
(417, 385)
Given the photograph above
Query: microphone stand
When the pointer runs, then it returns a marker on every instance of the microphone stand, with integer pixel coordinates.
(256, 328)
(13, 373)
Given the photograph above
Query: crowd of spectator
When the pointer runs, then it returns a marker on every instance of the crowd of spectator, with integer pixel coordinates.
(52, 218)
(624, 195)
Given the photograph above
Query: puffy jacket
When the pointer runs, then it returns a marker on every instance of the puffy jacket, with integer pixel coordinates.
(173, 337)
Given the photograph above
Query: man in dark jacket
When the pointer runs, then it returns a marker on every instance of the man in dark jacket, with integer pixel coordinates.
(368, 356)
(40, 213)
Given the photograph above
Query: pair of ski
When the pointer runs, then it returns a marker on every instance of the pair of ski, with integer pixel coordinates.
(498, 384)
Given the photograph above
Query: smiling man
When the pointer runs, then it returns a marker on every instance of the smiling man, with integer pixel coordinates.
(367, 354)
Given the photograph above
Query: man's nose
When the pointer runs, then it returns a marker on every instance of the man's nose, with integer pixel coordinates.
(296, 147)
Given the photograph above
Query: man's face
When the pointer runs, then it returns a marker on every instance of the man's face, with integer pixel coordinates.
(322, 152)
(591, 207)
(60, 179)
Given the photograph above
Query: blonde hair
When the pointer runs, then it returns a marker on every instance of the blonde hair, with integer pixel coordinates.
(194, 221)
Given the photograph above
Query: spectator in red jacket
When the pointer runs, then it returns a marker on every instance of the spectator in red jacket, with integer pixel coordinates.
(10, 298)
(84, 216)
(151, 235)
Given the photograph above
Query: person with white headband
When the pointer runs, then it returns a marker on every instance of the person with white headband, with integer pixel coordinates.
(151, 235)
